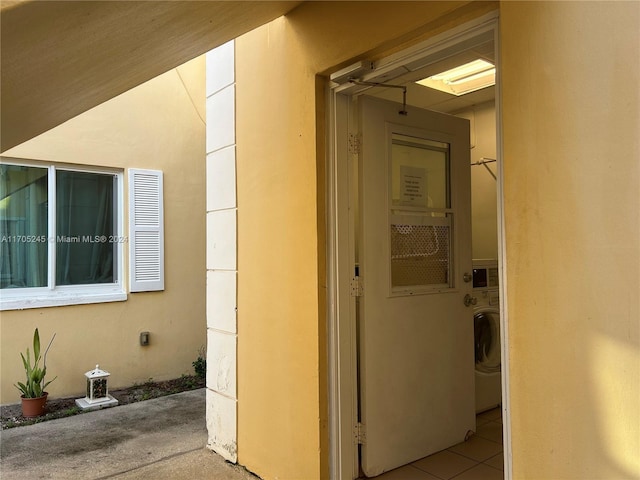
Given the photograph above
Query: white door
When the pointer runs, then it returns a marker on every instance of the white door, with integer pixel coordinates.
(416, 334)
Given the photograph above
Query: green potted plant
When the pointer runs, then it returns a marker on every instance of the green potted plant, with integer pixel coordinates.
(34, 396)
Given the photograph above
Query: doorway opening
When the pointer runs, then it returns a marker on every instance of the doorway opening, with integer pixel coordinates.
(481, 109)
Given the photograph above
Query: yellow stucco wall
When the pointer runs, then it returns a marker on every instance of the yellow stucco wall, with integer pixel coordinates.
(159, 125)
(282, 411)
(571, 163)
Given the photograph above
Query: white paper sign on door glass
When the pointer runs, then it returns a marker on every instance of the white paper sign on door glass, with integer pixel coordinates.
(413, 182)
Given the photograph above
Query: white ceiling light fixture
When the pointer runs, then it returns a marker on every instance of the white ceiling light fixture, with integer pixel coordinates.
(464, 79)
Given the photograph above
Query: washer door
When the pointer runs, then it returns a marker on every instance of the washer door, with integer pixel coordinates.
(486, 328)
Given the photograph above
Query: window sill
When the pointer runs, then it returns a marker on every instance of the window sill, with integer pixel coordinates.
(59, 298)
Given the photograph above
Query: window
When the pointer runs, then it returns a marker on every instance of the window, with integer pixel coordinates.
(421, 219)
(61, 236)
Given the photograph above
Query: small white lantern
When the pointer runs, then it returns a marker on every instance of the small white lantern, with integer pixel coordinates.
(97, 391)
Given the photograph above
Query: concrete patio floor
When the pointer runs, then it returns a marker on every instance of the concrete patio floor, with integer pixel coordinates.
(161, 438)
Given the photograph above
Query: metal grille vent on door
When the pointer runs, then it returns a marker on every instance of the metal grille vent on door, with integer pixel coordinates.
(419, 255)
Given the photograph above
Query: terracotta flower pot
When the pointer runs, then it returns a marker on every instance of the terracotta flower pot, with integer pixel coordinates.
(34, 407)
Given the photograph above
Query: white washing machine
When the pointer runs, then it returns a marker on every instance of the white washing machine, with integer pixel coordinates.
(486, 322)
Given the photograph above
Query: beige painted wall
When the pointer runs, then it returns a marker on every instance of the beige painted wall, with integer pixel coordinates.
(159, 125)
(484, 200)
(282, 411)
(571, 162)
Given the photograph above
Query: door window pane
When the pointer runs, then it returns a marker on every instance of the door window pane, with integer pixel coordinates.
(85, 228)
(23, 226)
(419, 173)
(420, 217)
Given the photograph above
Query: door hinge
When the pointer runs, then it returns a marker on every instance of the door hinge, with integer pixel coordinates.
(356, 287)
(355, 141)
(360, 433)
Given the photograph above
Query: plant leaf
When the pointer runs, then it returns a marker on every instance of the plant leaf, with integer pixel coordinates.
(22, 387)
(24, 361)
(46, 384)
(36, 346)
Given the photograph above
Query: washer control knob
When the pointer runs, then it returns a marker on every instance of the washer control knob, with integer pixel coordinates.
(467, 277)
(469, 300)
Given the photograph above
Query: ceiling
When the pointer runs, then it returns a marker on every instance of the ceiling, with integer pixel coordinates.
(61, 58)
(430, 99)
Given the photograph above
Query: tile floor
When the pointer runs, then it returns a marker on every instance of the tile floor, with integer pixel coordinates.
(479, 458)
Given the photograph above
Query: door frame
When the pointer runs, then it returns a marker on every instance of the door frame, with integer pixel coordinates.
(341, 303)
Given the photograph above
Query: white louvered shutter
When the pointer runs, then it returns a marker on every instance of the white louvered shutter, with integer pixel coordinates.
(146, 231)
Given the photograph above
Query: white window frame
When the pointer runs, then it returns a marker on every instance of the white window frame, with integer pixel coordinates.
(52, 295)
